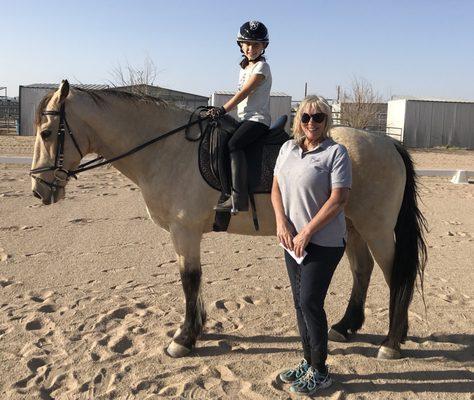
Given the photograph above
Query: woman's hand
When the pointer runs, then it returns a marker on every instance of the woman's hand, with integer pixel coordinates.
(300, 241)
(285, 234)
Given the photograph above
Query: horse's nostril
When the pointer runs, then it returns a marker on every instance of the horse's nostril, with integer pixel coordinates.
(35, 193)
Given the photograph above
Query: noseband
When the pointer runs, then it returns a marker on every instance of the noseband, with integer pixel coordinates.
(60, 173)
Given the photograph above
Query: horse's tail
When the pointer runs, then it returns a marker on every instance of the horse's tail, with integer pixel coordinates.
(410, 253)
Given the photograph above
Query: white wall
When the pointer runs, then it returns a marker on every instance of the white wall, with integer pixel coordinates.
(396, 118)
(30, 97)
(436, 123)
(427, 123)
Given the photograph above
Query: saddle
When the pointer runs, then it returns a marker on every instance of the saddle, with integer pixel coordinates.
(261, 157)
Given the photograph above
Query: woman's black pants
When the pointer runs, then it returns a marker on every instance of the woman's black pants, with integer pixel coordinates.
(309, 284)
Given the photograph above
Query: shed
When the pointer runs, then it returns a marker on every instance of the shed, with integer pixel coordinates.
(280, 104)
(431, 123)
(30, 97)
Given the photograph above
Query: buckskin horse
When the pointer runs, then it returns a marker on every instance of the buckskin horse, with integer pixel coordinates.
(384, 221)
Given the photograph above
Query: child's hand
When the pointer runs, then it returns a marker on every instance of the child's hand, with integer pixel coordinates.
(216, 112)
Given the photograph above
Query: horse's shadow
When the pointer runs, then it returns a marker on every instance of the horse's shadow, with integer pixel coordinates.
(439, 381)
(442, 381)
(464, 354)
(223, 346)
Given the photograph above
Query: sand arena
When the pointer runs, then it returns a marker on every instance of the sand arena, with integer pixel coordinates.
(89, 298)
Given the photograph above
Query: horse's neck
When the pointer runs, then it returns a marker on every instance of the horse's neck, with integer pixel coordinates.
(118, 129)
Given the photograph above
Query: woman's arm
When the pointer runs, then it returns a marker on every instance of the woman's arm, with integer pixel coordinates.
(284, 230)
(248, 88)
(333, 206)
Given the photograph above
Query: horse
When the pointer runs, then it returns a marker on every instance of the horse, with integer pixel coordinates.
(383, 219)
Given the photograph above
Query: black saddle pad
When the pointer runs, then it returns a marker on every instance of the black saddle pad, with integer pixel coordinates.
(261, 155)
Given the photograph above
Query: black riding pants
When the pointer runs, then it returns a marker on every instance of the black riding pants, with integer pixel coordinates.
(247, 133)
(309, 283)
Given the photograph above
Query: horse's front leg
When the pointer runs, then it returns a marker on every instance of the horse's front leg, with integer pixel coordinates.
(187, 242)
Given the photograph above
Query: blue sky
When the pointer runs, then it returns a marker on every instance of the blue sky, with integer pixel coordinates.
(418, 48)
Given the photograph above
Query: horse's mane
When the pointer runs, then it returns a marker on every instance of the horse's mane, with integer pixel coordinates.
(99, 97)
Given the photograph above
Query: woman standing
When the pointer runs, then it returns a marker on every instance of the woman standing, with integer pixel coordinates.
(311, 186)
(253, 108)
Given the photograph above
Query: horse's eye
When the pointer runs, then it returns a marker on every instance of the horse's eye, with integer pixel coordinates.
(45, 134)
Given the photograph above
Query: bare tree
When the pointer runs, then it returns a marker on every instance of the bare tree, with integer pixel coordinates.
(361, 105)
(137, 78)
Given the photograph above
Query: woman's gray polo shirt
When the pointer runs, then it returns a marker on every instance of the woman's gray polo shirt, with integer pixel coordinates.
(306, 179)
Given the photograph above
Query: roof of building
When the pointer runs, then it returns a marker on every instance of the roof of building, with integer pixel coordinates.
(431, 99)
(231, 93)
(160, 88)
(86, 86)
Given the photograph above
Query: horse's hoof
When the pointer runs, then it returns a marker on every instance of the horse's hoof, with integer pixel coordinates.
(177, 333)
(387, 353)
(335, 336)
(177, 350)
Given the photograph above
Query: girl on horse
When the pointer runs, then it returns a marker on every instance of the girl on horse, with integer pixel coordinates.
(253, 109)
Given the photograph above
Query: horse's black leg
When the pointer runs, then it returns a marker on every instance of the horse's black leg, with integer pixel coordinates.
(362, 264)
(382, 246)
(187, 245)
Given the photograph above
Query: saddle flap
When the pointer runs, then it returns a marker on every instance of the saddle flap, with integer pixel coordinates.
(261, 155)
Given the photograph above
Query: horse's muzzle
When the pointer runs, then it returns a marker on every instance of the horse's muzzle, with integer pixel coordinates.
(46, 194)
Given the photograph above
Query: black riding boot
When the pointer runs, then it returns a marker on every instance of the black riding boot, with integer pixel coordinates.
(240, 196)
(224, 174)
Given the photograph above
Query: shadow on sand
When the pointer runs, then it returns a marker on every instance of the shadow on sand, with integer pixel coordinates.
(449, 381)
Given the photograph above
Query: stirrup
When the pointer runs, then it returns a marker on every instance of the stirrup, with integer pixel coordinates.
(223, 207)
(233, 210)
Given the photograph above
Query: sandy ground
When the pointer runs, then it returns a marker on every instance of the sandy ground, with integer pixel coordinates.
(90, 296)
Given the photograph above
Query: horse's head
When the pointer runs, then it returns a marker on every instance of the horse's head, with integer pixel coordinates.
(57, 151)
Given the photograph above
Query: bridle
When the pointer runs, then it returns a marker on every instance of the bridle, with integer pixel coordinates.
(62, 175)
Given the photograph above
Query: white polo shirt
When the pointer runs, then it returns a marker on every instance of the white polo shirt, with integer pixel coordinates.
(306, 179)
(256, 107)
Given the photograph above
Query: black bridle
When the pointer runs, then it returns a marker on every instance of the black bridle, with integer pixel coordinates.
(62, 175)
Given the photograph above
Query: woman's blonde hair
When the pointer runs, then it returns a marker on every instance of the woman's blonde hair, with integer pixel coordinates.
(320, 104)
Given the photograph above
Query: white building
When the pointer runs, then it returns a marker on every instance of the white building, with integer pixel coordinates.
(431, 123)
(280, 104)
(30, 97)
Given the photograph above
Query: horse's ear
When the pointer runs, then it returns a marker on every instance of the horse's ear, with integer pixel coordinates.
(63, 90)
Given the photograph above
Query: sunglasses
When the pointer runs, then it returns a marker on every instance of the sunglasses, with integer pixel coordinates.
(318, 117)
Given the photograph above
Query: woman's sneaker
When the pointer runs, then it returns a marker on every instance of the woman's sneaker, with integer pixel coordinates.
(292, 375)
(311, 382)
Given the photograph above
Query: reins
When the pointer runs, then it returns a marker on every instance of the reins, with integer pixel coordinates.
(96, 163)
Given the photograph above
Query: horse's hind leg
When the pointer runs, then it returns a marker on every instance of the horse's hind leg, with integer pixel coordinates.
(382, 245)
(187, 245)
(362, 264)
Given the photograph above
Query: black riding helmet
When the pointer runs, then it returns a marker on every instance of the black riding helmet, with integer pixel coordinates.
(253, 31)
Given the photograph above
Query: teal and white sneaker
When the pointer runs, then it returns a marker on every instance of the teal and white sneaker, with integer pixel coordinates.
(311, 382)
(292, 375)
